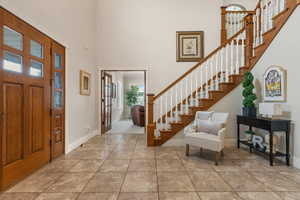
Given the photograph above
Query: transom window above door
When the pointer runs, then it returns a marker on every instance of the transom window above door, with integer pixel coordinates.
(22, 55)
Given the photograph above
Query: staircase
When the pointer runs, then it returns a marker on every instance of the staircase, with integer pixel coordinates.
(245, 36)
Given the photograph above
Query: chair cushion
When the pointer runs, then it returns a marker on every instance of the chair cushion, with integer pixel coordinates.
(209, 126)
(204, 115)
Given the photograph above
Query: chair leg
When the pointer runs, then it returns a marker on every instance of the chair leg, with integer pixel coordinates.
(217, 157)
(187, 150)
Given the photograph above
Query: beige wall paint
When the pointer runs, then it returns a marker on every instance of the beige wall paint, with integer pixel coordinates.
(135, 34)
(71, 23)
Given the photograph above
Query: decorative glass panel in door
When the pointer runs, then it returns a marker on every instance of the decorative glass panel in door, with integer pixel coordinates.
(57, 80)
(36, 69)
(12, 38)
(36, 49)
(12, 62)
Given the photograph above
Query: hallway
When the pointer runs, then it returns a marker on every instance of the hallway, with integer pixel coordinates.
(120, 167)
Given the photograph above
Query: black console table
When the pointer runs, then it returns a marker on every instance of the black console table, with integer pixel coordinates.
(270, 125)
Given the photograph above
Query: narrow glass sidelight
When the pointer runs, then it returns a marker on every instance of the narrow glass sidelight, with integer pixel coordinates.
(57, 61)
(36, 49)
(57, 80)
(12, 62)
(58, 96)
(12, 38)
(36, 68)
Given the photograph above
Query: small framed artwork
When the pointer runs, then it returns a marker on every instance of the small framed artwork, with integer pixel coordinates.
(190, 46)
(85, 83)
(274, 88)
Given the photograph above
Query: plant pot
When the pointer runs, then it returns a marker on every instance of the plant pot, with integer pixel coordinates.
(249, 111)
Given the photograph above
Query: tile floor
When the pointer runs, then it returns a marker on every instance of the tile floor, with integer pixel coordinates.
(121, 167)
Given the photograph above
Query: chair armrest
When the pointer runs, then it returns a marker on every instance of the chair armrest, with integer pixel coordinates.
(222, 132)
(189, 129)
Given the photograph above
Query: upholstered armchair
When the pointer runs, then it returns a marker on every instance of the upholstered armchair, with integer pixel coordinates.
(207, 132)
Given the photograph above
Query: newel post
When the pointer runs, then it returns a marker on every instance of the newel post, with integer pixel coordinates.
(223, 25)
(150, 123)
(249, 38)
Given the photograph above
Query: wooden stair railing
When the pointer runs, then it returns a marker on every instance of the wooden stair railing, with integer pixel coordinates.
(216, 75)
(232, 22)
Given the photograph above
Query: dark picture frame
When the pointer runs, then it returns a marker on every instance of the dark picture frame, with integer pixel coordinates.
(190, 46)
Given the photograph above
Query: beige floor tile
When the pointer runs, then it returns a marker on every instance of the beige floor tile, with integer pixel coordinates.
(105, 182)
(289, 195)
(291, 175)
(57, 196)
(71, 182)
(87, 166)
(218, 196)
(142, 165)
(178, 196)
(115, 166)
(169, 165)
(276, 181)
(242, 181)
(208, 182)
(174, 182)
(88, 154)
(98, 196)
(167, 154)
(227, 165)
(255, 165)
(143, 154)
(259, 196)
(18, 196)
(138, 196)
(140, 182)
(197, 164)
(121, 155)
(59, 165)
(38, 182)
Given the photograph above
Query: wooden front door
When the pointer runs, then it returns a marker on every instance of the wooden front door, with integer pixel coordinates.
(25, 73)
(106, 101)
(58, 101)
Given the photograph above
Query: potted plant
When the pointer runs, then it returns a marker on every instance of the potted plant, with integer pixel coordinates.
(132, 96)
(249, 108)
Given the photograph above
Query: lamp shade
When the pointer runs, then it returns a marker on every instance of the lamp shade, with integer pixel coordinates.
(270, 109)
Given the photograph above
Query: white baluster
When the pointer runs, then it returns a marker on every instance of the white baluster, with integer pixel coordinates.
(176, 102)
(186, 94)
(166, 112)
(201, 83)
(243, 54)
(282, 5)
(231, 54)
(192, 103)
(217, 70)
(221, 65)
(181, 97)
(237, 64)
(161, 112)
(226, 63)
(171, 105)
(206, 80)
(196, 82)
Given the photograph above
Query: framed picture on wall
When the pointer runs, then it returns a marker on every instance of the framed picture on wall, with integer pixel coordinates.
(274, 88)
(85, 83)
(190, 46)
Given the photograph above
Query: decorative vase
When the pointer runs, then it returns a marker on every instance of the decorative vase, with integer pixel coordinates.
(249, 111)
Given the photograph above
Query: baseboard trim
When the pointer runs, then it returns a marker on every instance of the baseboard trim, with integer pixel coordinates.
(81, 141)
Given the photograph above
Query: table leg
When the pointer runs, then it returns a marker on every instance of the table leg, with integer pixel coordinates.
(271, 148)
(238, 135)
(287, 136)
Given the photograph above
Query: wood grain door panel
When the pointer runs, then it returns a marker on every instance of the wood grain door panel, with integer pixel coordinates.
(12, 146)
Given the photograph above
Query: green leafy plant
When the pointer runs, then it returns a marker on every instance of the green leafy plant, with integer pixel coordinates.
(249, 96)
(132, 96)
(249, 132)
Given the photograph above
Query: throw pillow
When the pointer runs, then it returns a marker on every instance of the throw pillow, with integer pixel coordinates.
(209, 126)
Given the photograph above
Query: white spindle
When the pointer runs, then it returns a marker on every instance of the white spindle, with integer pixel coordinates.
(161, 112)
(226, 63)
(176, 102)
(166, 111)
(217, 70)
(231, 54)
(201, 83)
(196, 82)
(191, 99)
(186, 94)
(171, 104)
(237, 66)
(206, 80)
(243, 54)
(221, 65)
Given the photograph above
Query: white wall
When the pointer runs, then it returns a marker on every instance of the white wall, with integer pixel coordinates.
(248, 4)
(118, 102)
(71, 23)
(135, 34)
